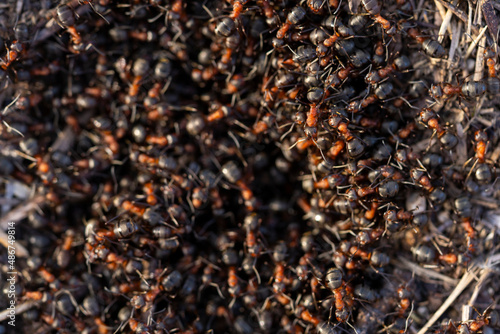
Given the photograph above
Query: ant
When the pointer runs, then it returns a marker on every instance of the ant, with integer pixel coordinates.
(12, 55)
(304, 314)
(355, 146)
(66, 17)
(238, 6)
(207, 278)
(17, 47)
(315, 6)
(382, 91)
(483, 171)
(268, 11)
(163, 141)
(421, 179)
(463, 207)
(139, 69)
(149, 190)
(234, 175)
(132, 207)
(252, 223)
(331, 181)
(316, 96)
(469, 90)
(373, 8)
(400, 64)
(123, 229)
(431, 47)
(431, 120)
(480, 145)
(220, 113)
(234, 287)
(296, 15)
(492, 82)
(404, 299)
(63, 257)
(342, 293)
(279, 285)
(336, 78)
(177, 11)
(488, 318)
(426, 254)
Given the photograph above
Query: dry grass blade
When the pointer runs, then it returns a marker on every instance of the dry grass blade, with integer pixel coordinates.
(496, 154)
(64, 140)
(478, 72)
(21, 251)
(441, 9)
(445, 24)
(19, 8)
(19, 309)
(20, 212)
(423, 272)
(457, 31)
(478, 18)
(475, 42)
(461, 155)
(484, 276)
(459, 13)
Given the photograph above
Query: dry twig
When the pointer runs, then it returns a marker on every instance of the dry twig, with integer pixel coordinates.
(423, 272)
(19, 309)
(466, 279)
(478, 72)
(460, 14)
(445, 24)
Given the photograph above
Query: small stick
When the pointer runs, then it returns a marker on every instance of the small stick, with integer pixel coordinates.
(461, 149)
(496, 154)
(485, 202)
(469, 24)
(474, 43)
(21, 251)
(441, 9)
(479, 285)
(445, 25)
(457, 31)
(478, 72)
(64, 141)
(478, 18)
(420, 271)
(467, 278)
(19, 309)
(19, 9)
(20, 212)
(419, 7)
(466, 312)
(459, 13)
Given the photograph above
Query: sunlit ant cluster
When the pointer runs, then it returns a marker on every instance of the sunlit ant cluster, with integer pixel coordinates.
(240, 166)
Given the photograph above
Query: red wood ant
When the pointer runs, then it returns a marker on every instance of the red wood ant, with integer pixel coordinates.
(296, 15)
(431, 47)
(373, 8)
